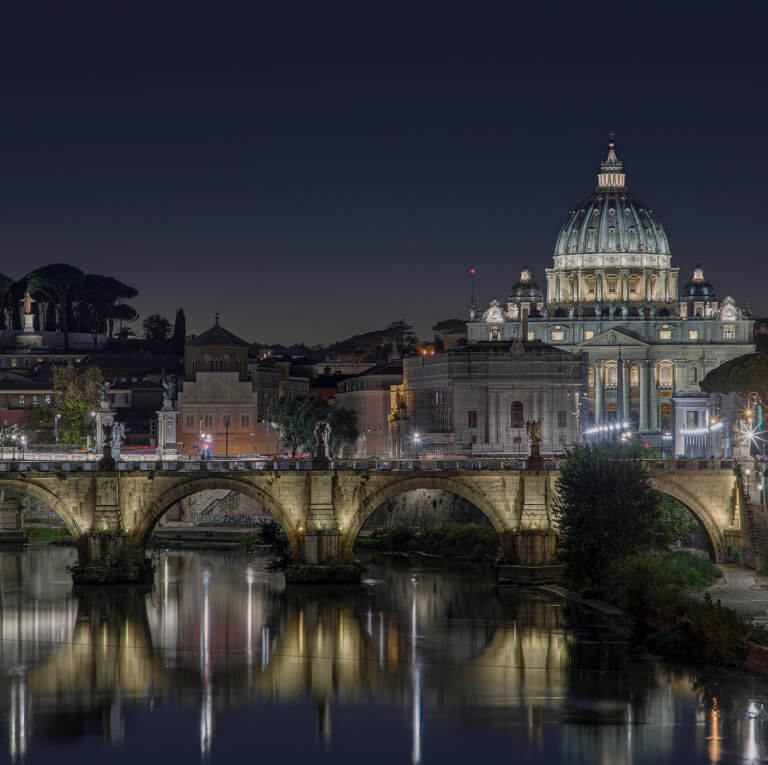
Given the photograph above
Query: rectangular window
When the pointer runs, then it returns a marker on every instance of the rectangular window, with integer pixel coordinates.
(665, 334)
(245, 420)
(692, 419)
(693, 334)
(530, 335)
(561, 417)
(589, 334)
(190, 422)
(472, 418)
(208, 422)
(558, 334)
(729, 332)
(692, 376)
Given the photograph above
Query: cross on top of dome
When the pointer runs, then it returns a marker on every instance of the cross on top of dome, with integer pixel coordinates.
(611, 176)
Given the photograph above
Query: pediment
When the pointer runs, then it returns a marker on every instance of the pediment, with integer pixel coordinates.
(612, 337)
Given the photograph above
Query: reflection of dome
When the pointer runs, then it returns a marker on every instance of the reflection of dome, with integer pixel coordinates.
(698, 287)
(526, 288)
(612, 219)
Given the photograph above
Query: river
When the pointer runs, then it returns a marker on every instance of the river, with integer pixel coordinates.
(222, 663)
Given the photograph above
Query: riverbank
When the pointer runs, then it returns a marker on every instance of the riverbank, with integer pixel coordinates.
(468, 541)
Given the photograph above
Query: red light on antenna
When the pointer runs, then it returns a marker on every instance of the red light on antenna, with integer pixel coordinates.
(472, 271)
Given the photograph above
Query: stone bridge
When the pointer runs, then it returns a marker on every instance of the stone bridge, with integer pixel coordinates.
(323, 510)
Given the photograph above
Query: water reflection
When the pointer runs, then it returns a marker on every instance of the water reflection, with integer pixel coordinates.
(220, 643)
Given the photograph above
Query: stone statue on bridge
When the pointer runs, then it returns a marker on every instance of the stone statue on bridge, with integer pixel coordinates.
(169, 391)
(104, 388)
(323, 437)
(533, 429)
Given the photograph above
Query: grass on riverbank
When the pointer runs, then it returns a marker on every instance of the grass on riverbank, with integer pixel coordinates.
(48, 533)
(468, 541)
(654, 590)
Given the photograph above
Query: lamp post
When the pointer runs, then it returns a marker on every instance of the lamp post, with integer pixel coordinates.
(747, 473)
(226, 435)
(56, 429)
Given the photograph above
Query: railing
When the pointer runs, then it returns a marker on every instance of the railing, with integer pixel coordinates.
(89, 463)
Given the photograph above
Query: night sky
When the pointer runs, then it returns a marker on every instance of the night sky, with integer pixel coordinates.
(315, 175)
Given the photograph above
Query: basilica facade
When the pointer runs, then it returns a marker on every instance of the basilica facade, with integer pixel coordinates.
(612, 296)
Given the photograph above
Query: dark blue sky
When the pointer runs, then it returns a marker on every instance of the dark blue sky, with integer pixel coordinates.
(313, 176)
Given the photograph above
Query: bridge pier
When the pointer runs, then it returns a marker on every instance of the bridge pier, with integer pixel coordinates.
(12, 530)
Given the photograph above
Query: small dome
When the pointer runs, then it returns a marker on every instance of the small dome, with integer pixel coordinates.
(526, 288)
(612, 219)
(698, 287)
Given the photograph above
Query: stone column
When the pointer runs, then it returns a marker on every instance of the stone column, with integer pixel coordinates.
(600, 275)
(166, 430)
(104, 417)
(598, 394)
(625, 410)
(644, 394)
(654, 401)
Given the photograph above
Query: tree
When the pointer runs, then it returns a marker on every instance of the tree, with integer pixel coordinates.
(344, 432)
(606, 509)
(59, 284)
(179, 331)
(294, 418)
(744, 374)
(156, 330)
(124, 334)
(75, 395)
(100, 302)
(6, 297)
(400, 335)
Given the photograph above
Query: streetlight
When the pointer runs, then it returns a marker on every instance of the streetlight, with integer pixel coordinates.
(56, 428)
(747, 473)
(226, 435)
(416, 442)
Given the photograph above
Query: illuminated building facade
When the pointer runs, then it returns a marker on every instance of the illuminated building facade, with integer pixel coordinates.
(613, 294)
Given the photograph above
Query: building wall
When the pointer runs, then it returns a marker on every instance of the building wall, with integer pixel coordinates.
(206, 402)
(478, 399)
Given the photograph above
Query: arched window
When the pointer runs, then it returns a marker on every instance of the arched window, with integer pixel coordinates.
(611, 377)
(517, 414)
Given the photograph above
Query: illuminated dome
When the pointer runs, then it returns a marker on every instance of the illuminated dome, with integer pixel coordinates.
(612, 220)
(526, 288)
(698, 287)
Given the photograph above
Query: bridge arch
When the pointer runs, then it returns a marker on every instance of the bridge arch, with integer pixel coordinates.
(46, 496)
(186, 488)
(699, 510)
(439, 482)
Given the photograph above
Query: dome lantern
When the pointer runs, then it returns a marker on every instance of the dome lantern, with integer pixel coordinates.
(611, 176)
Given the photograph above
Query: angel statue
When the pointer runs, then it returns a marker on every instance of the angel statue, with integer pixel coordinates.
(104, 387)
(169, 389)
(322, 436)
(533, 428)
